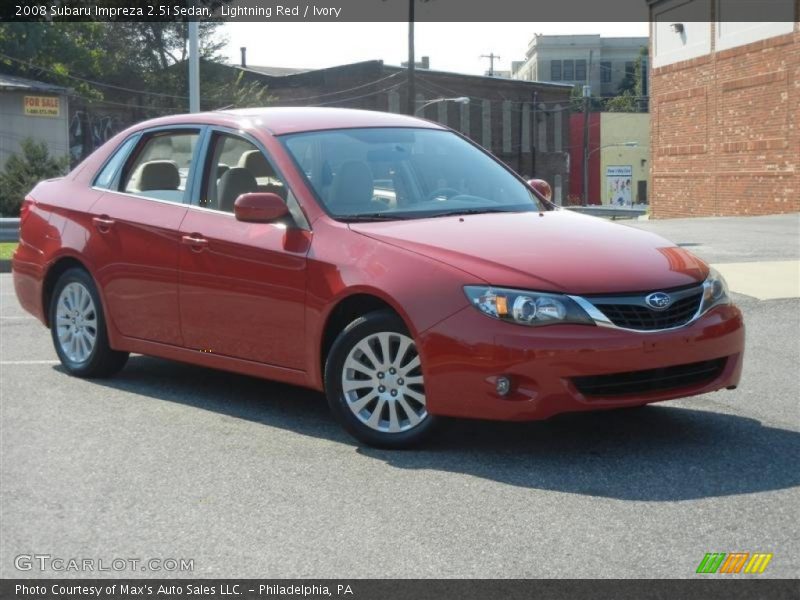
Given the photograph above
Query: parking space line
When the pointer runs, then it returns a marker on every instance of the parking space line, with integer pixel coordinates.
(29, 362)
(16, 318)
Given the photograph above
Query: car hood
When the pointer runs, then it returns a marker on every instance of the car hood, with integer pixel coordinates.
(558, 251)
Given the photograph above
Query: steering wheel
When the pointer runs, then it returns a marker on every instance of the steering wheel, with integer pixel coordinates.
(443, 193)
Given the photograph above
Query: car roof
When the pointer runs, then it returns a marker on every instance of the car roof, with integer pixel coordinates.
(283, 120)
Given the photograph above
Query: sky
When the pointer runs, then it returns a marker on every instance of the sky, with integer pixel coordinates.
(451, 46)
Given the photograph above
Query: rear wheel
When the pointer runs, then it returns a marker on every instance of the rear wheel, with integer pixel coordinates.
(374, 383)
(79, 330)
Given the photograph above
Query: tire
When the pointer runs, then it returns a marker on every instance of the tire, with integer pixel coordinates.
(78, 328)
(378, 399)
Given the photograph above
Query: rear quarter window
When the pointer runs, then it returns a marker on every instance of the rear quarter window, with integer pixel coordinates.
(105, 178)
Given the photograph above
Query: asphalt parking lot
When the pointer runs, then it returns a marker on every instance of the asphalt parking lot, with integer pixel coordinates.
(253, 479)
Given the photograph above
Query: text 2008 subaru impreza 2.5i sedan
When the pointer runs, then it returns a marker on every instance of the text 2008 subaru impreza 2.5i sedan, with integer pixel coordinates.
(383, 259)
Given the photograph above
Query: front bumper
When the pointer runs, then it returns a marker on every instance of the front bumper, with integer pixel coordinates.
(465, 354)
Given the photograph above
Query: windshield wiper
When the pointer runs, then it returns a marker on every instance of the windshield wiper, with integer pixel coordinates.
(473, 211)
(378, 216)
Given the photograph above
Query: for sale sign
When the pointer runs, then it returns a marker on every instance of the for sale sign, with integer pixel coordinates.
(42, 106)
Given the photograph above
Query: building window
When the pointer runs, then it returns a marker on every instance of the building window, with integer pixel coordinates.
(580, 70)
(555, 70)
(605, 71)
(629, 66)
(569, 70)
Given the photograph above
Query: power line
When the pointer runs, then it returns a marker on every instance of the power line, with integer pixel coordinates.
(388, 89)
(363, 85)
(90, 81)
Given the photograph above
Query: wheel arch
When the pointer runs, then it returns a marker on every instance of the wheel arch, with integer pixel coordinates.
(60, 266)
(345, 311)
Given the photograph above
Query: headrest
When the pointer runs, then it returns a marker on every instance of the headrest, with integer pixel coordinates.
(158, 175)
(255, 162)
(353, 186)
(233, 183)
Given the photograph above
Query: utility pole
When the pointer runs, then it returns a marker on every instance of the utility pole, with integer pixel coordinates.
(587, 98)
(534, 133)
(194, 68)
(411, 101)
(491, 58)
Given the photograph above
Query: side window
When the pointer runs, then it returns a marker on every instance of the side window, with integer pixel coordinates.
(105, 178)
(235, 166)
(161, 166)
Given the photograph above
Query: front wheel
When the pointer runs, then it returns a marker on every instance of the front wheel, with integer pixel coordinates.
(78, 328)
(374, 383)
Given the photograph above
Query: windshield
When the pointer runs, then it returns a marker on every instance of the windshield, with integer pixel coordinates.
(401, 173)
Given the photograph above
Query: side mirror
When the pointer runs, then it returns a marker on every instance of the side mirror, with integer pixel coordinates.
(259, 207)
(541, 186)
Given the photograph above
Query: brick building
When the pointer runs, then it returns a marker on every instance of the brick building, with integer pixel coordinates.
(725, 108)
(524, 123)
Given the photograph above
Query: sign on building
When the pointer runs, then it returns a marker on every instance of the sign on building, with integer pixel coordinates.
(618, 185)
(42, 106)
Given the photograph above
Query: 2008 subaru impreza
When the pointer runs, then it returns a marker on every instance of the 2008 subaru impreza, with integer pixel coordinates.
(383, 259)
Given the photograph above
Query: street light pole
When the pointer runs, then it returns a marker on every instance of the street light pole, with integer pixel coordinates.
(587, 97)
(622, 145)
(458, 100)
(412, 91)
(194, 68)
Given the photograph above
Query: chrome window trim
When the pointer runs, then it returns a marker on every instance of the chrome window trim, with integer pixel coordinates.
(601, 320)
(130, 195)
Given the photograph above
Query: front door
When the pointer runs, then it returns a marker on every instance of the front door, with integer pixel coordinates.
(242, 285)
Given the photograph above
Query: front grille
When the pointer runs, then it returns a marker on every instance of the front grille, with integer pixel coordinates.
(633, 313)
(651, 380)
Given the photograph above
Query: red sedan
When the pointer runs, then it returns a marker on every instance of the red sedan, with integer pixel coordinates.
(386, 260)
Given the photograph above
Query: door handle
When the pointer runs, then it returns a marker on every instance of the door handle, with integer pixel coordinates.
(196, 242)
(103, 224)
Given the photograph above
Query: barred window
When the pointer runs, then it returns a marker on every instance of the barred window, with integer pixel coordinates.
(580, 70)
(555, 70)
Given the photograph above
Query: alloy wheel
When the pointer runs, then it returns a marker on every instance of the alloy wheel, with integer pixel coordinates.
(76, 322)
(382, 382)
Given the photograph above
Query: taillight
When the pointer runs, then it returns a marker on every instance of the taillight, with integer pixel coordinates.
(25, 209)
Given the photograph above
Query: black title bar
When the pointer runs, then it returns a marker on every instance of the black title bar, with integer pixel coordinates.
(397, 10)
(705, 587)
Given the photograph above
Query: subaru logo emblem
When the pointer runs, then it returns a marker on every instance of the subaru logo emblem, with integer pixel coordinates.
(658, 301)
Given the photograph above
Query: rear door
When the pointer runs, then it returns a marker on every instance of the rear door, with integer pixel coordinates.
(134, 240)
(242, 285)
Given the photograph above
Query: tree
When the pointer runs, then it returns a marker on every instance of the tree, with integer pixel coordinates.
(576, 100)
(57, 49)
(24, 170)
(632, 89)
(96, 59)
(625, 102)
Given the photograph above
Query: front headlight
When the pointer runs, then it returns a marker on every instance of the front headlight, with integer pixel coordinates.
(526, 308)
(715, 290)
